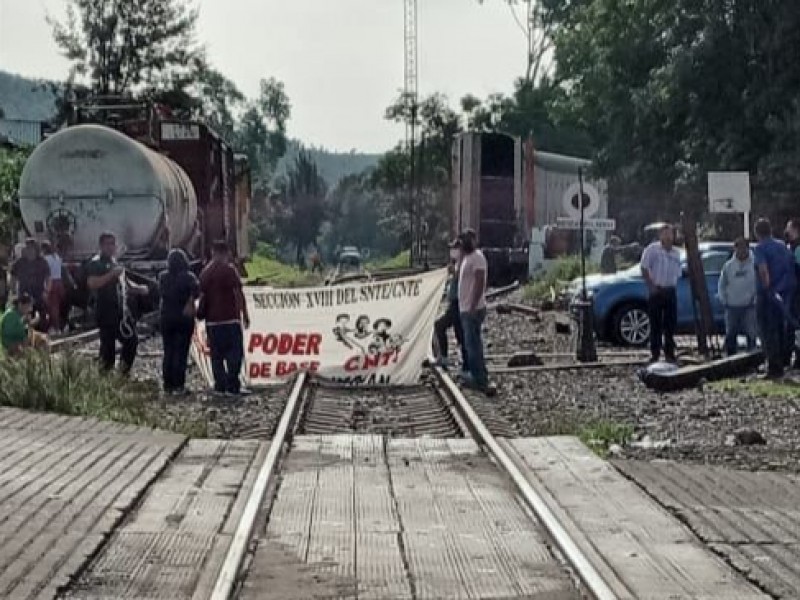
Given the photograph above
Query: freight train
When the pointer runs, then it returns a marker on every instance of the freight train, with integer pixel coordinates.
(155, 181)
(512, 195)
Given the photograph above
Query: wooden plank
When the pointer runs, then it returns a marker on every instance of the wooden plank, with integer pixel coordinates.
(332, 544)
(162, 551)
(642, 551)
(466, 536)
(379, 561)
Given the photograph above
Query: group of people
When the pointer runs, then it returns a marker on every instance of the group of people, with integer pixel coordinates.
(39, 273)
(466, 311)
(37, 289)
(758, 289)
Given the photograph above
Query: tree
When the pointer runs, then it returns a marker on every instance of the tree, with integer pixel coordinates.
(533, 111)
(303, 200)
(261, 133)
(531, 18)
(670, 90)
(119, 47)
(12, 161)
(355, 213)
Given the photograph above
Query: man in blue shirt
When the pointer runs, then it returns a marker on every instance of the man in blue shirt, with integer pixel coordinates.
(776, 287)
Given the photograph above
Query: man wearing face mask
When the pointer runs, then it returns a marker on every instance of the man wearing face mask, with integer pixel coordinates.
(472, 304)
(451, 318)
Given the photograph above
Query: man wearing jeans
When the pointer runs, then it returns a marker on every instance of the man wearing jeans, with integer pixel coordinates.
(661, 269)
(472, 304)
(452, 317)
(737, 294)
(223, 307)
(776, 287)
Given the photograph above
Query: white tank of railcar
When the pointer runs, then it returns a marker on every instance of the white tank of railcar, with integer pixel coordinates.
(89, 179)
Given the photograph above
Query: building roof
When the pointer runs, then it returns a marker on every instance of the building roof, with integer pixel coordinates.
(21, 132)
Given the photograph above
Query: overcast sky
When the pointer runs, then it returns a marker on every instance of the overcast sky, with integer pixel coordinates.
(341, 60)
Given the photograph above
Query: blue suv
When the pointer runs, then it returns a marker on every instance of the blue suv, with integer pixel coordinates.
(620, 300)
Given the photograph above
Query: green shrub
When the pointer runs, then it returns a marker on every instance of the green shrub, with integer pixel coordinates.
(601, 435)
(401, 261)
(555, 280)
(72, 385)
(268, 271)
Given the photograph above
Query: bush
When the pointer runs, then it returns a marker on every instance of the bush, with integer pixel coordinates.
(267, 271)
(71, 385)
(601, 435)
(401, 261)
(555, 280)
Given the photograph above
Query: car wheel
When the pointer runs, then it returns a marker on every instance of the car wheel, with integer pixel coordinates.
(632, 325)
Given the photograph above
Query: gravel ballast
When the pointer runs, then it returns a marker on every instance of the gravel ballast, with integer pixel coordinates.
(707, 425)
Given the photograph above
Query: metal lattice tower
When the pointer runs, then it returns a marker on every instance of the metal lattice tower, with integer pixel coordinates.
(411, 72)
(411, 96)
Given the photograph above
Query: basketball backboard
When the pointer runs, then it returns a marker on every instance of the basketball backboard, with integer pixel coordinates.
(729, 192)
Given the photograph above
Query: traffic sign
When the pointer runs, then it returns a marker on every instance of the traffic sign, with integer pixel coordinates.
(598, 224)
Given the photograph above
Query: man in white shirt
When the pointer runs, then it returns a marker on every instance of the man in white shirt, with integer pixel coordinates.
(661, 269)
(472, 304)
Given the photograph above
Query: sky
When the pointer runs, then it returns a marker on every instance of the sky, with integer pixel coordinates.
(340, 60)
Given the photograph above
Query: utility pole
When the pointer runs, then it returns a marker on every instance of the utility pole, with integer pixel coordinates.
(411, 98)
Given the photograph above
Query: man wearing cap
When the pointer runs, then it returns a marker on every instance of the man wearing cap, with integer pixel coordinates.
(661, 269)
(472, 280)
(452, 317)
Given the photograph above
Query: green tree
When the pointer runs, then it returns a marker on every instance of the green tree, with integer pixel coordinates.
(12, 162)
(355, 214)
(303, 204)
(438, 126)
(118, 47)
(261, 132)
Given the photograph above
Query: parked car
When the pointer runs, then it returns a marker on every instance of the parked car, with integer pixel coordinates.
(620, 300)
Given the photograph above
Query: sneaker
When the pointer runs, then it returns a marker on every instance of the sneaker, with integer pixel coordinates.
(242, 392)
(180, 392)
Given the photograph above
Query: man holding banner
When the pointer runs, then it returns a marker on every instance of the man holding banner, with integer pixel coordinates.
(223, 307)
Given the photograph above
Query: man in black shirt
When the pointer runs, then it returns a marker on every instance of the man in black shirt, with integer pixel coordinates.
(105, 279)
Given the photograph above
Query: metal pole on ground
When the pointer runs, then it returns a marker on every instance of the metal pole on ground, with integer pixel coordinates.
(587, 351)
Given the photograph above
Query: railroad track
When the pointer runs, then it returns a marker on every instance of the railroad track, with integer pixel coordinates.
(439, 409)
(80, 338)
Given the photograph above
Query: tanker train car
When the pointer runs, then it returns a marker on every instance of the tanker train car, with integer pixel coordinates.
(153, 181)
(505, 190)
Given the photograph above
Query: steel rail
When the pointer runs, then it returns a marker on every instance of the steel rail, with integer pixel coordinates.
(585, 570)
(229, 572)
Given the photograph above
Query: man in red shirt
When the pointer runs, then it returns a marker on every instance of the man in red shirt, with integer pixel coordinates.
(223, 307)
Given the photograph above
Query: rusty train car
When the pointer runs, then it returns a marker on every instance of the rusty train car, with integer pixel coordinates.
(505, 189)
(153, 180)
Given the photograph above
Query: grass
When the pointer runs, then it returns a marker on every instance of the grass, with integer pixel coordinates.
(598, 435)
(556, 279)
(601, 435)
(396, 262)
(262, 270)
(778, 390)
(71, 385)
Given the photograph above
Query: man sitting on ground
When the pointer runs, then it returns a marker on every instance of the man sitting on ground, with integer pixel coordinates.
(14, 327)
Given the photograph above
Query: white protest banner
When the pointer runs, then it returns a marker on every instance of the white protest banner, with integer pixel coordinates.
(376, 333)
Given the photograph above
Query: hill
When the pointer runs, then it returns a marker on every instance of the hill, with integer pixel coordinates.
(23, 98)
(333, 166)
